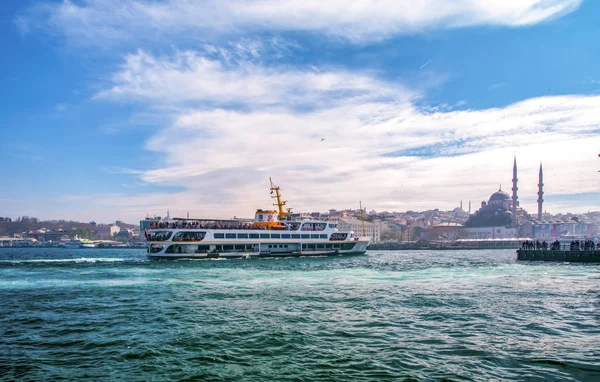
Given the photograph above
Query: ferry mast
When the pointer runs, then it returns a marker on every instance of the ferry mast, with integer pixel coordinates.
(361, 219)
(280, 203)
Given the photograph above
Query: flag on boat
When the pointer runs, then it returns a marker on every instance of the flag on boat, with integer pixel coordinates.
(271, 191)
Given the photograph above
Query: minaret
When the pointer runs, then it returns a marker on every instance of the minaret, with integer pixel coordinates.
(515, 198)
(540, 193)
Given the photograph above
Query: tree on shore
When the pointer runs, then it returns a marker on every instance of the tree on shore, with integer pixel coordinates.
(82, 233)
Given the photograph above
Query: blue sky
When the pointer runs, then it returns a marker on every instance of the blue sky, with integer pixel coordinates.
(114, 109)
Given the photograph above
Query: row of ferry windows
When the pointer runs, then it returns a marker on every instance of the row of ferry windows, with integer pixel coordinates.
(177, 248)
(344, 246)
(268, 236)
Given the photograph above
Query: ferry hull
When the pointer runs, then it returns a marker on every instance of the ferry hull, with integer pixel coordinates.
(358, 248)
(240, 255)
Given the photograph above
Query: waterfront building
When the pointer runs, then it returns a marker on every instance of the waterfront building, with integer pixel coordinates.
(557, 229)
(44, 235)
(447, 231)
(500, 232)
(107, 231)
(17, 242)
(391, 230)
(370, 229)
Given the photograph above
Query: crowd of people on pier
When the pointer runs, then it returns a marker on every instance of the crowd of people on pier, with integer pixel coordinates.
(530, 245)
(575, 245)
(585, 245)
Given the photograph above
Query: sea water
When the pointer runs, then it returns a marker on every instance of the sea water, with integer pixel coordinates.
(112, 314)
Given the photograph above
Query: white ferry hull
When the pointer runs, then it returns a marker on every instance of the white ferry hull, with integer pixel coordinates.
(242, 255)
(166, 250)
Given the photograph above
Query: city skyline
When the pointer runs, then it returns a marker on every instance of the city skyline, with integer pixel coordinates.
(451, 213)
(191, 107)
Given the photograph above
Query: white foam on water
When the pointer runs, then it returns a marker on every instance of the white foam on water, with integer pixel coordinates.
(61, 283)
(425, 278)
(78, 260)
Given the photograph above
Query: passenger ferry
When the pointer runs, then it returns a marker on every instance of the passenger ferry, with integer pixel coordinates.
(272, 233)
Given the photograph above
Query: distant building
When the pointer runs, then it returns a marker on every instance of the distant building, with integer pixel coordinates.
(502, 210)
(554, 230)
(298, 216)
(106, 231)
(491, 232)
(43, 235)
(494, 213)
(371, 229)
(5, 220)
(19, 242)
(447, 231)
(28, 219)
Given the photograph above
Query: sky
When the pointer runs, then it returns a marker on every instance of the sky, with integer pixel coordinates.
(115, 109)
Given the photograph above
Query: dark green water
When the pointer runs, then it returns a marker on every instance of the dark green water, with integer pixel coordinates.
(104, 314)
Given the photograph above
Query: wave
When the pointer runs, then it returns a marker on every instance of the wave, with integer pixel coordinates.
(72, 260)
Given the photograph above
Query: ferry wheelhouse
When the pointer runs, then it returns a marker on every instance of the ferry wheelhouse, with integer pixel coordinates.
(272, 233)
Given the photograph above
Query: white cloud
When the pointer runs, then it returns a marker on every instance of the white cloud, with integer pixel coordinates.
(191, 77)
(121, 170)
(328, 136)
(99, 21)
(384, 151)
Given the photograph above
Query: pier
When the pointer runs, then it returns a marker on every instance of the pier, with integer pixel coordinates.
(589, 256)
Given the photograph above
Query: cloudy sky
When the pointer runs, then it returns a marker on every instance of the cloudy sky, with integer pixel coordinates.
(114, 109)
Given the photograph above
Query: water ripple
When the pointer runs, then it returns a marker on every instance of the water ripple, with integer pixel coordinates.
(412, 316)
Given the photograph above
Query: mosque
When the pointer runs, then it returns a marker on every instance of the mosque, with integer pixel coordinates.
(502, 209)
(496, 212)
(501, 217)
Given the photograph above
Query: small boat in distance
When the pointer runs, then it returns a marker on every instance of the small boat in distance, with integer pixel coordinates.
(272, 233)
(76, 242)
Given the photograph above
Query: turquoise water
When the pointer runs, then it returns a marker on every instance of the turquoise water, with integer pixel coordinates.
(105, 314)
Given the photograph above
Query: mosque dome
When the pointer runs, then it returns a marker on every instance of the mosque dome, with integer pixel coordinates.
(499, 196)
